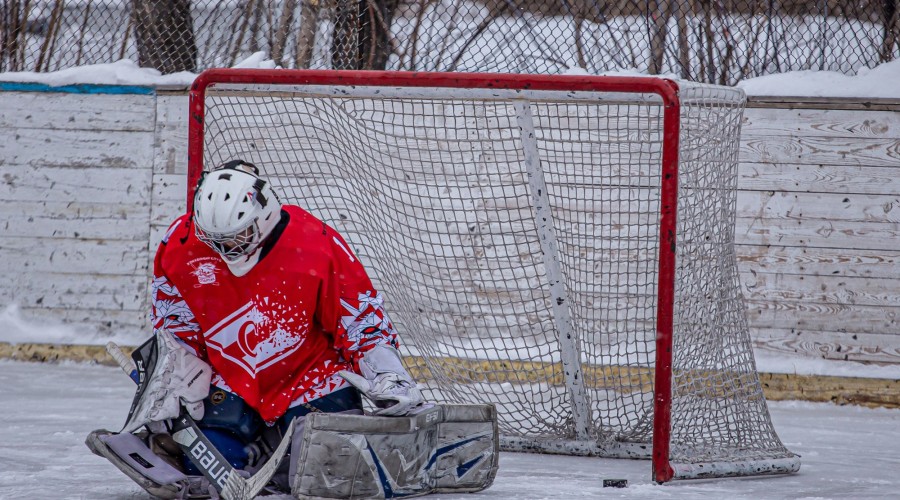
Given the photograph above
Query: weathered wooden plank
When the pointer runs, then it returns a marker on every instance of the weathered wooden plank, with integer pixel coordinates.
(97, 222)
(73, 290)
(821, 289)
(813, 262)
(817, 233)
(169, 202)
(825, 206)
(844, 346)
(169, 197)
(799, 177)
(75, 148)
(821, 150)
(169, 180)
(809, 316)
(848, 103)
(88, 257)
(93, 321)
(54, 227)
(766, 122)
(85, 184)
(170, 155)
(51, 111)
(80, 210)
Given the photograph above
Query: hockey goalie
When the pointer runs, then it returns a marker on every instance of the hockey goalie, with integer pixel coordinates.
(267, 334)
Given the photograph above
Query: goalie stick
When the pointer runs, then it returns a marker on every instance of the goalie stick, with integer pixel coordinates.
(203, 454)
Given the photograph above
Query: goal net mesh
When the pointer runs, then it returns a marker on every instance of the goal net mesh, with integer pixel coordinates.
(432, 189)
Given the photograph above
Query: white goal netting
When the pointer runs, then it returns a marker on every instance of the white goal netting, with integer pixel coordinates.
(516, 236)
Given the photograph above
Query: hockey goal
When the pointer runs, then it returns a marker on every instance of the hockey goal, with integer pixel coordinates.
(559, 246)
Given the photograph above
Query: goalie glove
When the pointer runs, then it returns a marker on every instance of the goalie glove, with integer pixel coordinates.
(385, 382)
(172, 377)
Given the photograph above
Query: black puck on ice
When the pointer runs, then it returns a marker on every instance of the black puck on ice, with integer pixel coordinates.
(615, 483)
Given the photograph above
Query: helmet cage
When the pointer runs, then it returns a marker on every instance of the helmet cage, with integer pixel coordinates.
(232, 246)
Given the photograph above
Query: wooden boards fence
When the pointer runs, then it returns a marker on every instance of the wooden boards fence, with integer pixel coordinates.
(817, 231)
(90, 182)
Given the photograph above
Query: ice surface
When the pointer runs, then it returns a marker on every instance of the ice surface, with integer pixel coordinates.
(48, 409)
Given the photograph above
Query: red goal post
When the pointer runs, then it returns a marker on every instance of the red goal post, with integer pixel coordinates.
(580, 430)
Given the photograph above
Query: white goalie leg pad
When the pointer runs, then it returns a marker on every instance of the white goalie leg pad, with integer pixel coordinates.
(444, 448)
(130, 455)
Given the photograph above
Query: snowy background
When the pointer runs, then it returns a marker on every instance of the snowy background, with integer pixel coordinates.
(847, 452)
(880, 82)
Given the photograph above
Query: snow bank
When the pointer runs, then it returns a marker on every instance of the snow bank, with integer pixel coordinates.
(879, 82)
(122, 72)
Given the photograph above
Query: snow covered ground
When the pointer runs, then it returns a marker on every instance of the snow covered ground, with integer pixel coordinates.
(48, 409)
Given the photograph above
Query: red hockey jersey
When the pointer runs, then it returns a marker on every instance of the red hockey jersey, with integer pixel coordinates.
(278, 335)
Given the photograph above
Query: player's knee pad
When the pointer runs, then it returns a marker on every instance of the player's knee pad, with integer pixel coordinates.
(238, 452)
(232, 426)
(226, 411)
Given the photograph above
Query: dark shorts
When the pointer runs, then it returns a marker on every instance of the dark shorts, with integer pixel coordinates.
(235, 428)
(226, 411)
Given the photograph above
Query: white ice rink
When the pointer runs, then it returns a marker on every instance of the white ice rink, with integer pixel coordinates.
(46, 410)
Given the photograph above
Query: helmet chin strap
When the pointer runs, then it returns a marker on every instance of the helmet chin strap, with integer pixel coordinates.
(245, 263)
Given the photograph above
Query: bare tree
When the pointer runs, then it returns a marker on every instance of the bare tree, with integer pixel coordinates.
(49, 43)
(281, 33)
(17, 21)
(659, 13)
(165, 35)
(708, 58)
(577, 16)
(891, 18)
(499, 9)
(362, 37)
(306, 36)
(9, 30)
(685, 8)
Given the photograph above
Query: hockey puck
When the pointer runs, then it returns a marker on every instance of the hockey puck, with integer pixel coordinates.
(615, 483)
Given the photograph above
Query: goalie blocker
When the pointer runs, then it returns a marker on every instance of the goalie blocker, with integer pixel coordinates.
(441, 448)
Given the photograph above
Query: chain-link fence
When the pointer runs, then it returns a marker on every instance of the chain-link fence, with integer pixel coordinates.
(718, 41)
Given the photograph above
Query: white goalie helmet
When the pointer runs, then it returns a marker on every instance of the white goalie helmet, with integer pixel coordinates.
(235, 210)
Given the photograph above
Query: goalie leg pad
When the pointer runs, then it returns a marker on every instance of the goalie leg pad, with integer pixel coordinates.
(444, 448)
(132, 456)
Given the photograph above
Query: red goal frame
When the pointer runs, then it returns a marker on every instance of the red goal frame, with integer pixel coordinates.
(666, 89)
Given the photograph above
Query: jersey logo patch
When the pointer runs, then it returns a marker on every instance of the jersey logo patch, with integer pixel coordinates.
(255, 339)
(205, 270)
